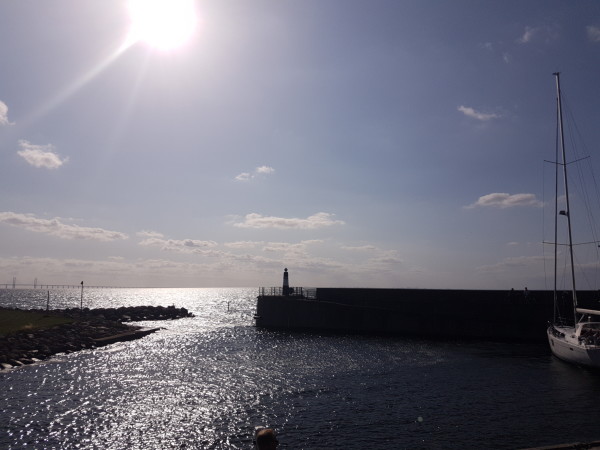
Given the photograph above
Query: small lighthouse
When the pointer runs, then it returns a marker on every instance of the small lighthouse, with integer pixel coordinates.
(286, 283)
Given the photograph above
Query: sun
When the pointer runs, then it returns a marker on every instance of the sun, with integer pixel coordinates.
(162, 24)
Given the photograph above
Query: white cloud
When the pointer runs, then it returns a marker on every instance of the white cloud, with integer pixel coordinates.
(262, 170)
(4, 114)
(504, 200)
(149, 234)
(361, 248)
(312, 241)
(470, 112)
(291, 250)
(40, 155)
(315, 221)
(112, 271)
(55, 227)
(528, 35)
(546, 33)
(243, 244)
(593, 33)
(284, 247)
(180, 246)
(244, 176)
(386, 259)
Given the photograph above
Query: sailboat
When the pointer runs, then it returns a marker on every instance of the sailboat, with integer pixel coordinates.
(577, 343)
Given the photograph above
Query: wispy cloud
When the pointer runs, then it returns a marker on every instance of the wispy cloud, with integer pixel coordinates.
(40, 155)
(504, 200)
(528, 35)
(513, 263)
(55, 227)
(265, 169)
(180, 246)
(470, 112)
(496, 49)
(291, 250)
(593, 33)
(203, 260)
(243, 244)
(387, 259)
(319, 220)
(361, 248)
(244, 176)
(149, 234)
(546, 33)
(262, 170)
(4, 114)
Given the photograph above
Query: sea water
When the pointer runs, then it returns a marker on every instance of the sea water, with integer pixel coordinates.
(205, 382)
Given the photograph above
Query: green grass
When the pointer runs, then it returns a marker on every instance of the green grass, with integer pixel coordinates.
(11, 320)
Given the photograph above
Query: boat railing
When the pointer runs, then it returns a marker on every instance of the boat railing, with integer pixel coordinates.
(295, 292)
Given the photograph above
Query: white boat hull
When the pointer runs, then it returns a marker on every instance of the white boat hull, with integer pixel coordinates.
(569, 349)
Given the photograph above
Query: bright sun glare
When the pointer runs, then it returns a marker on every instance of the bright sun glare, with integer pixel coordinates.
(163, 24)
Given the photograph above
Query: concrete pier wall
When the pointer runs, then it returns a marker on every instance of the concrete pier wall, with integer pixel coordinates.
(420, 312)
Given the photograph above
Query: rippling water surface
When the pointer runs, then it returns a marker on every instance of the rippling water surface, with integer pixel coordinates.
(205, 382)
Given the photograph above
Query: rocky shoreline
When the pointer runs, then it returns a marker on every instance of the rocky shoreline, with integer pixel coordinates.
(90, 328)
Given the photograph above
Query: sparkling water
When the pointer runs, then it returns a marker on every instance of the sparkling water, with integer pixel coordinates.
(205, 382)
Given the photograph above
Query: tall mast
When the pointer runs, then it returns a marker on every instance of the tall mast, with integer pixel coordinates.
(556, 176)
(568, 211)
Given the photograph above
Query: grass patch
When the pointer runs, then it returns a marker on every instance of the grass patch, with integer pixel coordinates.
(17, 320)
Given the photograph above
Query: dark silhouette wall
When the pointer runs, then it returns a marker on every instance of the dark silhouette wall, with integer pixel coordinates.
(420, 312)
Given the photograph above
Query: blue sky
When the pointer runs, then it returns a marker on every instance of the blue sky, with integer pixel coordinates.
(360, 144)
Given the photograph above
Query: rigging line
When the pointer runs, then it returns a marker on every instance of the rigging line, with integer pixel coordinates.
(565, 274)
(573, 125)
(596, 207)
(577, 141)
(596, 188)
(590, 212)
(556, 178)
(585, 196)
(583, 272)
(544, 227)
(576, 138)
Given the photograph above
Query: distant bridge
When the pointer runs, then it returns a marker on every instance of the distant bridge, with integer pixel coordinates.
(53, 286)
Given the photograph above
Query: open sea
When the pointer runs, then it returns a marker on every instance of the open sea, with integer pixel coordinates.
(205, 382)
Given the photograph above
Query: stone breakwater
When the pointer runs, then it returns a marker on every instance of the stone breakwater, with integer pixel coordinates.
(90, 328)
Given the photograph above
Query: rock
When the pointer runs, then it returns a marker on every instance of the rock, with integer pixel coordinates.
(88, 327)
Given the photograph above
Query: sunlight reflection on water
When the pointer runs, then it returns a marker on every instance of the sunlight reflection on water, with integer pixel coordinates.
(205, 382)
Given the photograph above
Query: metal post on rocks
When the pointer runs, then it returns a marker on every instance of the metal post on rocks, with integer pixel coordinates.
(81, 307)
